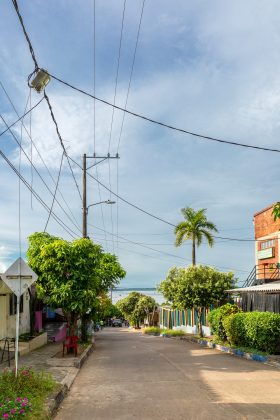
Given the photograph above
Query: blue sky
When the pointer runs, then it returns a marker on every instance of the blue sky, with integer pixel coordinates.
(209, 67)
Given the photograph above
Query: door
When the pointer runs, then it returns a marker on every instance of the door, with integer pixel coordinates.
(3, 316)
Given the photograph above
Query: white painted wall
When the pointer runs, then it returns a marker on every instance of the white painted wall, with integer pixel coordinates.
(192, 330)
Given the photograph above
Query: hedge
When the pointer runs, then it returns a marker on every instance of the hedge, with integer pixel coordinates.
(259, 330)
(216, 319)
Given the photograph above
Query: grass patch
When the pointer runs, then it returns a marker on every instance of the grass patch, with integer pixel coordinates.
(174, 333)
(152, 330)
(25, 395)
(27, 337)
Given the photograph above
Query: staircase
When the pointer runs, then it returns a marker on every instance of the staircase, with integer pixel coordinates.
(52, 329)
(262, 274)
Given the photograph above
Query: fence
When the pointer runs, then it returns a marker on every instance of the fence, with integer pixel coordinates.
(185, 320)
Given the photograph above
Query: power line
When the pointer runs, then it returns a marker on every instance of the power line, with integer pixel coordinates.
(117, 74)
(26, 35)
(38, 173)
(162, 124)
(157, 250)
(45, 94)
(54, 195)
(37, 150)
(61, 142)
(36, 195)
(131, 73)
(20, 118)
(159, 218)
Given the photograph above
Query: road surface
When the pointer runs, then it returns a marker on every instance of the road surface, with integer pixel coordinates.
(131, 376)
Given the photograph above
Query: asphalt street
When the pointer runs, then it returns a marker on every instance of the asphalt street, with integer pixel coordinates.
(131, 376)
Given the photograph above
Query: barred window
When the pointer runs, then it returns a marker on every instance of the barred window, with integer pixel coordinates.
(268, 244)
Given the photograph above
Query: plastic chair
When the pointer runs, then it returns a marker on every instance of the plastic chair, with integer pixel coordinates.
(70, 342)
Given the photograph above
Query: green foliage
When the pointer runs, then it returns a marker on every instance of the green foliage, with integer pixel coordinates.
(72, 275)
(195, 227)
(106, 309)
(217, 317)
(259, 330)
(135, 307)
(276, 211)
(196, 287)
(152, 330)
(174, 333)
(30, 387)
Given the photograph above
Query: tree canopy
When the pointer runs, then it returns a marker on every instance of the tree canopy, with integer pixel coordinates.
(195, 227)
(72, 275)
(135, 307)
(196, 287)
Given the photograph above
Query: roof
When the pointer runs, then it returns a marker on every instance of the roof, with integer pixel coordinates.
(263, 210)
(264, 288)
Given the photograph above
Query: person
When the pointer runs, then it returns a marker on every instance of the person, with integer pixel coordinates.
(101, 324)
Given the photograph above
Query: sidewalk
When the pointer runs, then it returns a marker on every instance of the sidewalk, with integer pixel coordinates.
(38, 360)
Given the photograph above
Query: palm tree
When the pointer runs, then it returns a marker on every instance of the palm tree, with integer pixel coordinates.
(194, 227)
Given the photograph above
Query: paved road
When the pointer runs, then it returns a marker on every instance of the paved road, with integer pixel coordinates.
(131, 376)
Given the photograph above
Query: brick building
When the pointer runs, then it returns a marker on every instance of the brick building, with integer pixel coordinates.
(267, 246)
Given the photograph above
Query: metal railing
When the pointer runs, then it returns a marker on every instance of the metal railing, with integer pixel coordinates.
(262, 273)
(7, 346)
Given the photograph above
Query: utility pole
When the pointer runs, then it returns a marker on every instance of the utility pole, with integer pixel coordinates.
(85, 207)
(84, 195)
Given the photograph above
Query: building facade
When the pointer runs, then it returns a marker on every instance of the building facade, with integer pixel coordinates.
(267, 246)
(8, 312)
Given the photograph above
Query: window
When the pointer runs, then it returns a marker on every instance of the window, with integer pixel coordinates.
(13, 304)
(268, 244)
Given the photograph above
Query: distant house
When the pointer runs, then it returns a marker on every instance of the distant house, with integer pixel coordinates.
(8, 302)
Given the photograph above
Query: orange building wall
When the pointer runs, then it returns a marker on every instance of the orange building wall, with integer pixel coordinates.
(265, 226)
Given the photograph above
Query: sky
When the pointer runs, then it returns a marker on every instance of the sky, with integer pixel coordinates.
(207, 67)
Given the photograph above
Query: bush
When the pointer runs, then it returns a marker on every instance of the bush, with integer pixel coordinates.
(259, 330)
(217, 317)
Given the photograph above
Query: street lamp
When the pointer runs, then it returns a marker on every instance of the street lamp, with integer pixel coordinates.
(100, 202)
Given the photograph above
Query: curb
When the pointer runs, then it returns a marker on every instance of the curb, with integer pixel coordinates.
(55, 399)
(269, 360)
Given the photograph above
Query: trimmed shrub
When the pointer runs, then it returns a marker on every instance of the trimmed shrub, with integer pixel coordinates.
(217, 317)
(213, 319)
(259, 330)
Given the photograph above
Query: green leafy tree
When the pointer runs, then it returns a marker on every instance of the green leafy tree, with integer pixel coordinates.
(196, 287)
(72, 275)
(276, 211)
(135, 307)
(195, 227)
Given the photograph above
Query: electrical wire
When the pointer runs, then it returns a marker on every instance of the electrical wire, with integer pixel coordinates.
(38, 173)
(45, 94)
(131, 73)
(54, 195)
(36, 195)
(162, 124)
(61, 142)
(157, 217)
(8, 127)
(159, 251)
(26, 35)
(29, 134)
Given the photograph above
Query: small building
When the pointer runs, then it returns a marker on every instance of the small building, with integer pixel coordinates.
(8, 302)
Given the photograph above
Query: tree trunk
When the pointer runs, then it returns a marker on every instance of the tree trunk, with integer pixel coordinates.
(193, 252)
(199, 319)
(84, 327)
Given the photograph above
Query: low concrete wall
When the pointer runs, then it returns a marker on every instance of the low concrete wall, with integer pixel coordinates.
(192, 330)
(36, 342)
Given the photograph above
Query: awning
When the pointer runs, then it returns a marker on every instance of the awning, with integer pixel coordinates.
(264, 288)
